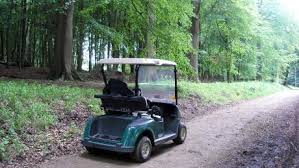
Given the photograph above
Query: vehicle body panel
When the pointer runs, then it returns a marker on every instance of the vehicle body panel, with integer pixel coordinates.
(133, 131)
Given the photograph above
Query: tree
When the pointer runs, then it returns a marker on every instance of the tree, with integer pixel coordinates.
(195, 31)
(213, 40)
(62, 67)
(81, 36)
(149, 38)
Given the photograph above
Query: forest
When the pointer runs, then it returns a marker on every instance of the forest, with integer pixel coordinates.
(237, 63)
(211, 40)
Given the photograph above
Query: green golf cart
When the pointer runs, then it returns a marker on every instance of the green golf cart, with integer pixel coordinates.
(138, 118)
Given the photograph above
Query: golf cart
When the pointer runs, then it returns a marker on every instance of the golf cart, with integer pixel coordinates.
(139, 118)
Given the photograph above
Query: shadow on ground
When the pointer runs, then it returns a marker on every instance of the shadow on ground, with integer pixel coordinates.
(124, 159)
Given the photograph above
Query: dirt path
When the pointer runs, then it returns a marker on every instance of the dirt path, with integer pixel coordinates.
(221, 139)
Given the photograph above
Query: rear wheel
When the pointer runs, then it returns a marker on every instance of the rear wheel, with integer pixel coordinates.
(182, 134)
(91, 150)
(143, 150)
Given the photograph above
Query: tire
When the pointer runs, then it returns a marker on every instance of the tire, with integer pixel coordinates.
(91, 150)
(143, 150)
(182, 134)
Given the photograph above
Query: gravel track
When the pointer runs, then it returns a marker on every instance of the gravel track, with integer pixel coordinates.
(257, 133)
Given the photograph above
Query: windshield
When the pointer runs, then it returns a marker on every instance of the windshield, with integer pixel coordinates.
(157, 82)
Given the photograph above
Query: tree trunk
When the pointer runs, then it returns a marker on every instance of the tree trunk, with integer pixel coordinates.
(27, 51)
(44, 50)
(57, 66)
(62, 67)
(195, 30)
(68, 43)
(22, 44)
(80, 51)
(149, 40)
(8, 49)
(90, 52)
(7, 39)
(259, 74)
(81, 39)
(115, 54)
(33, 53)
(286, 76)
(50, 51)
(229, 67)
(96, 49)
(109, 50)
(1, 45)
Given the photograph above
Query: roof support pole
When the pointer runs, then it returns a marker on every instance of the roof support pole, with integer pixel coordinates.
(103, 74)
(136, 79)
(176, 85)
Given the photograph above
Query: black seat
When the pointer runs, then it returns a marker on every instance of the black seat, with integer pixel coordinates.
(123, 103)
(117, 87)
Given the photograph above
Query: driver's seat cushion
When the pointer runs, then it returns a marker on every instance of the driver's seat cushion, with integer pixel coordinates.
(124, 103)
(117, 87)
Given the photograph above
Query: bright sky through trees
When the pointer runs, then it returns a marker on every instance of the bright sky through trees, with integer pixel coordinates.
(292, 7)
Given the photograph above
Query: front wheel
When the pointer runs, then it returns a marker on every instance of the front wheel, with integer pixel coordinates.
(182, 134)
(143, 150)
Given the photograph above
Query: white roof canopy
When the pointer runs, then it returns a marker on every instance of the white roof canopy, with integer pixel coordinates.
(137, 61)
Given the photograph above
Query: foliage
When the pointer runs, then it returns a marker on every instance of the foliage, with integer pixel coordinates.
(240, 39)
(128, 33)
(247, 40)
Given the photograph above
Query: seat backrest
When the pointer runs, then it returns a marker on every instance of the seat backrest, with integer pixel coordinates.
(124, 103)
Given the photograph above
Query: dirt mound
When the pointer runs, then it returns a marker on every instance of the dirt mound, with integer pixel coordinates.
(25, 73)
(194, 106)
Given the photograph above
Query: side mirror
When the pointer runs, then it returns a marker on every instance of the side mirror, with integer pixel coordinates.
(137, 92)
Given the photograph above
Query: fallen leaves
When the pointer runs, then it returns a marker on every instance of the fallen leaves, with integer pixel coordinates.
(61, 139)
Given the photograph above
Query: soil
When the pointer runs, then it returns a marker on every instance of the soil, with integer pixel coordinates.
(193, 107)
(25, 73)
(256, 133)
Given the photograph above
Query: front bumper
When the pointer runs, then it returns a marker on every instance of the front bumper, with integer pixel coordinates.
(117, 147)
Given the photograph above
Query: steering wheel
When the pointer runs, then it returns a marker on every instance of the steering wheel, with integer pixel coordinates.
(156, 113)
(138, 91)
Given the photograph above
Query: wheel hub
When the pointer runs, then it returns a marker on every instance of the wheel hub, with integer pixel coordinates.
(183, 133)
(145, 150)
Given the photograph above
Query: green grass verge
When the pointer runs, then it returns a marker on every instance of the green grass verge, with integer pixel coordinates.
(223, 93)
(24, 105)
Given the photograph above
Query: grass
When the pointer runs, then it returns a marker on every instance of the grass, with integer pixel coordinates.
(223, 93)
(31, 105)
(24, 105)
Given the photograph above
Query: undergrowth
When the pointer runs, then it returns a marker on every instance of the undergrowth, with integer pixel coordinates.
(28, 105)
(223, 93)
